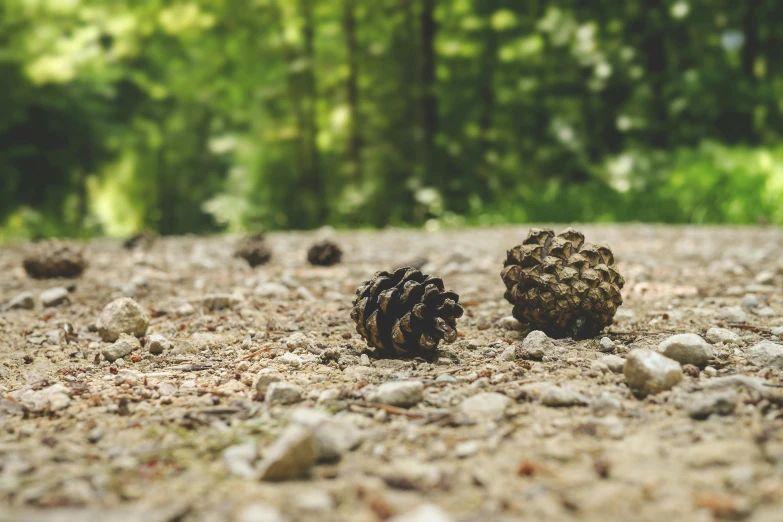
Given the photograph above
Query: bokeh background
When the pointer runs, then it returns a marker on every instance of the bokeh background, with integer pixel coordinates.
(208, 115)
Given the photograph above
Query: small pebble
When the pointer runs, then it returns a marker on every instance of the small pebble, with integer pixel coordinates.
(425, 513)
(297, 341)
(766, 354)
(485, 406)
(614, 362)
(703, 405)
(777, 331)
(264, 378)
(766, 312)
(259, 512)
(537, 344)
(606, 345)
(717, 335)
(157, 344)
(686, 349)
(733, 314)
(122, 316)
(751, 301)
(23, 301)
(291, 359)
(283, 392)
(291, 456)
(650, 372)
(125, 345)
(709, 371)
(509, 354)
(55, 297)
(446, 377)
(562, 396)
(398, 393)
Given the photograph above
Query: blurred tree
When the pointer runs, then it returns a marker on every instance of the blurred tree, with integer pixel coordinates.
(196, 115)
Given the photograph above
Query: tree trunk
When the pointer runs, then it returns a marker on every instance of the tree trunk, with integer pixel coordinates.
(352, 92)
(428, 103)
(312, 179)
(749, 53)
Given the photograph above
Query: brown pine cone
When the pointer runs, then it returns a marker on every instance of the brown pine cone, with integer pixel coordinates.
(254, 250)
(405, 313)
(562, 285)
(324, 253)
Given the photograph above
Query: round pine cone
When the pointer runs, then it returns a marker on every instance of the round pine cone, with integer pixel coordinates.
(50, 259)
(324, 253)
(144, 240)
(405, 313)
(562, 285)
(254, 250)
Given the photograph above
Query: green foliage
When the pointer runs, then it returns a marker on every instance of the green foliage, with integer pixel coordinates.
(202, 115)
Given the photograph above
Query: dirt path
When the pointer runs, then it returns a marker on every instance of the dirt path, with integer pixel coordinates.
(179, 436)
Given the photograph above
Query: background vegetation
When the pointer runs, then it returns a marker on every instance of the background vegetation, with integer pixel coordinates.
(200, 115)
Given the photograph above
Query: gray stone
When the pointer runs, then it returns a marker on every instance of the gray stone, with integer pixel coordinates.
(157, 344)
(702, 406)
(283, 392)
(733, 314)
(52, 398)
(334, 436)
(562, 396)
(537, 345)
(766, 354)
(291, 456)
(485, 406)
(264, 378)
(125, 345)
(297, 342)
(751, 301)
(650, 372)
(271, 290)
(686, 349)
(185, 309)
(767, 311)
(291, 359)
(765, 278)
(239, 460)
(220, 301)
(125, 376)
(23, 301)
(122, 316)
(399, 393)
(425, 513)
(446, 377)
(606, 345)
(55, 297)
(314, 501)
(717, 335)
(777, 331)
(614, 362)
(259, 512)
(509, 354)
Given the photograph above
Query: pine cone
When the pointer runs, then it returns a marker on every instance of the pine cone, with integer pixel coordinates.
(254, 250)
(405, 313)
(324, 253)
(562, 285)
(144, 240)
(50, 259)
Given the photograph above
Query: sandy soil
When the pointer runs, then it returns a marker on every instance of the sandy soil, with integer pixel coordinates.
(154, 439)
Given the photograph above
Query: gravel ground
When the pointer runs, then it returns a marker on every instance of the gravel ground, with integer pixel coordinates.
(260, 405)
